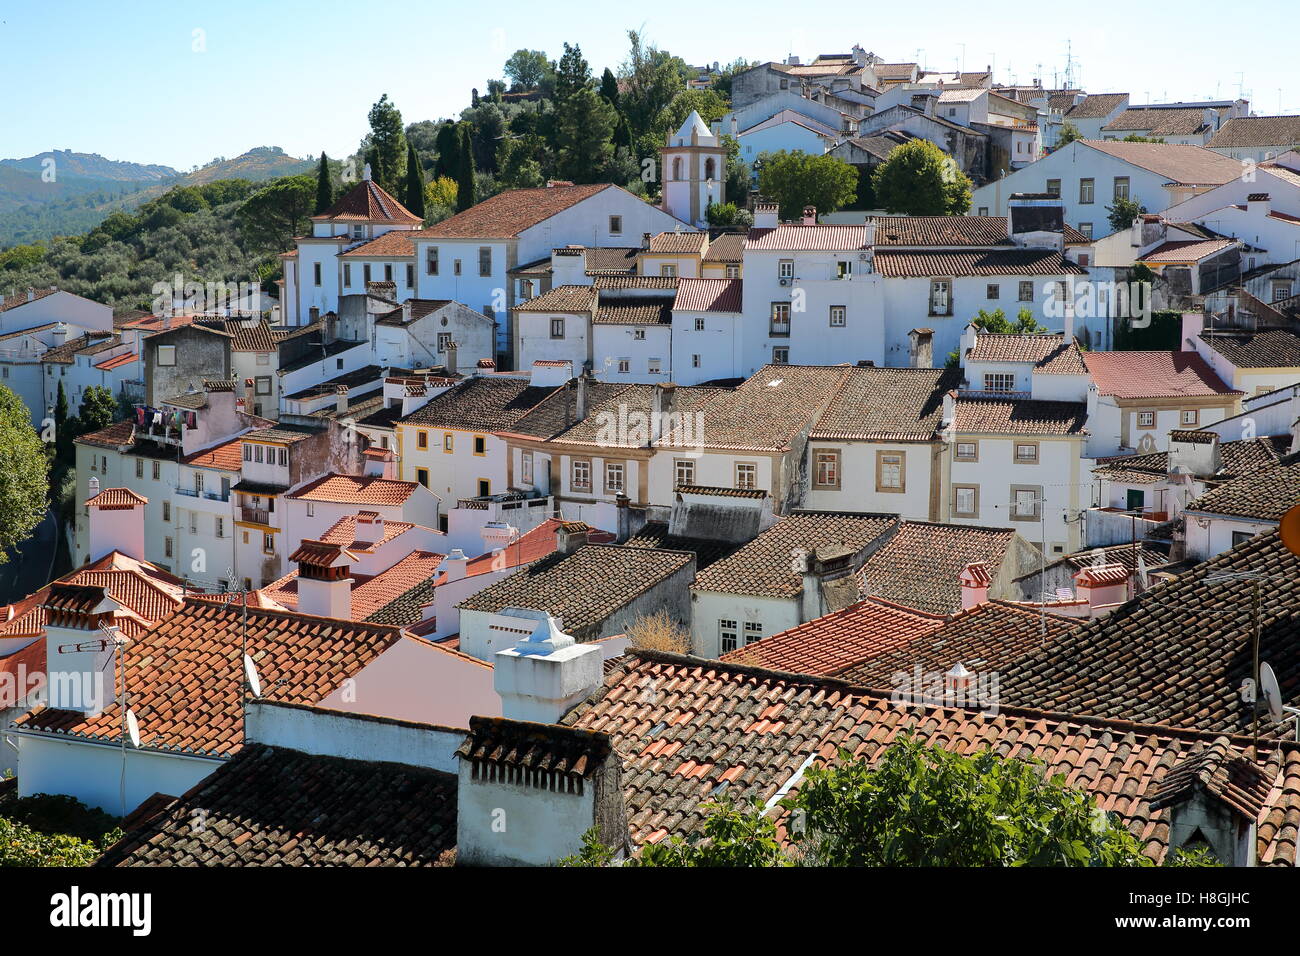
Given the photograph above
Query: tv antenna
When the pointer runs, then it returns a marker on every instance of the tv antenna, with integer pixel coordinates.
(1271, 691)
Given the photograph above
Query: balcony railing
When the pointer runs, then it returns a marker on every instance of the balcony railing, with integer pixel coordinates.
(254, 515)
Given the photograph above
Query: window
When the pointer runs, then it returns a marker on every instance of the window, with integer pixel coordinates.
(248, 452)
(746, 474)
(699, 324)
(580, 475)
(365, 273)
(431, 260)
(282, 457)
(421, 439)
(1241, 537)
(992, 291)
(999, 382)
(167, 511)
(1146, 419)
(890, 471)
(638, 335)
(167, 547)
(444, 340)
(422, 476)
(781, 355)
(448, 442)
(624, 366)
(194, 522)
(940, 297)
(1027, 452)
(455, 267)
(1121, 187)
(1189, 416)
(733, 270)
(347, 274)
(844, 269)
(780, 324)
(615, 225)
(967, 451)
(727, 635)
(311, 509)
(683, 471)
(485, 260)
(484, 488)
(388, 272)
(952, 111)
(198, 483)
(480, 445)
(1025, 503)
(1086, 188)
(1053, 187)
(668, 269)
(1086, 229)
(983, 211)
(1026, 291)
(166, 355)
(315, 273)
(839, 316)
(695, 360)
(785, 269)
(653, 366)
(139, 468)
(1281, 290)
(557, 328)
(268, 543)
(263, 385)
(753, 631)
(614, 476)
(410, 275)
(263, 358)
(826, 469)
(966, 501)
(157, 471)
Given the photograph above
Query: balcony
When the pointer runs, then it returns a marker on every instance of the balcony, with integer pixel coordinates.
(260, 516)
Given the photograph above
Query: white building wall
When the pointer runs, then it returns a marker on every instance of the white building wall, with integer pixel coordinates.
(771, 615)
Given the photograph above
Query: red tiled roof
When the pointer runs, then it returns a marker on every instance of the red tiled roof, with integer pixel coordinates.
(1020, 416)
(507, 214)
(1048, 352)
(184, 677)
(126, 358)
(114, 499)
(941, 231)
(531, 545)
(116, 435)
(367, 202)
(708, 295)
(394, 244)
(357, 489)
(1000, 262)
(16, 299)
(830, 644)
(1187, 250)
(1153, 374)
(1190, 165)
(387, 586)
(563, 298)
(800, 238)
(228, 456)
(344, 532)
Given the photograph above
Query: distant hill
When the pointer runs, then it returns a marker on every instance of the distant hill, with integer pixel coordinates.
(87, 188)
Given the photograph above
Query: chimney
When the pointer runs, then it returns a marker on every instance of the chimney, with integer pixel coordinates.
(622, 518)
(365, 172)
(341, 399)
(116, 518)
(369, 528)
(767, 215)
(31, 295)
(497, 535)
(453, 566)
(570, 536)
(827, 580)
(550, 373)
(1067, 320)
(663, 405)
(451, 362)
(810, 215)
(546, 673)
(1215, 796)
(975, 583)
(920, 350)
(949, 406)
(380, 462)
(324, 588)
(80, 671)
(581, 397)
(59, 334)
(1194, 453)
(645, 242)
(313, 314)
(1102, 586)
(1258, 204)
(1036, 221)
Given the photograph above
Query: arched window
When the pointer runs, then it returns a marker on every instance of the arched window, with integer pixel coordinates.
(677, 168)
(709, 168)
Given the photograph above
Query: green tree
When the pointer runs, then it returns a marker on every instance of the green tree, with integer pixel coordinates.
(710, 104)
(324, 187)
(919, 179)
(526, 69)
(651, 78)
(60, 408)
(730, 836)
(440, 192)
(414, 199)
(517, 167)
(272, 216)
(448, 151)
(583, 134)
(722, 82)
(795, 180)
(98, 406)
(1068, 134)
(609, 87)
(387, 144)
(571, 75)
(465, 171)
(24, 481)
(727, 215)
(1124, 213)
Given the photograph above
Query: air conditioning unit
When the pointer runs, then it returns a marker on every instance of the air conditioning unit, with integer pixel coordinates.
(785, 282)
(863, 257)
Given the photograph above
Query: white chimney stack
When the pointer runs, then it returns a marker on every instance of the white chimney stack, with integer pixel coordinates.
(79, 665)
(975, 583)
(546, 673)
(116, 517)
(324, 587)
(453, 566)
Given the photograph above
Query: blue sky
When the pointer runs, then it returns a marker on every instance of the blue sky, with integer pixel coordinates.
(126, 80)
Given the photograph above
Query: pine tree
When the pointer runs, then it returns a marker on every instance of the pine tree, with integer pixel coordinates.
(465, 174)
(414, 182)
(609, 87)
(324, 188)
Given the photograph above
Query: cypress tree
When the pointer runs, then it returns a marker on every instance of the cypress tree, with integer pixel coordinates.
(324, 188)
(448, 148)
(414, 200)
(465, 175)
(60, 408)
(609, 87)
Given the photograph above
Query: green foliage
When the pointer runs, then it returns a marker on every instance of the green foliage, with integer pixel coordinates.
(710, 104)
(24, 481)
(1068, 134)
(652, 78)
(414, 198)
(527, 69)
(609, 87)
(98, 406)
(448, 150)
(517, 163)
(324, 187)
(583, 132)
(1123, 213)
(272, 216)
(1135, 138)
(722, 82)
(797, 179)
(997, 322)
(60, 407)
(728, 215)
(60, 813)
(386, 144)
(919, 179)
(730, 836)
(1163, 334)
(465, 171)
(48, 830)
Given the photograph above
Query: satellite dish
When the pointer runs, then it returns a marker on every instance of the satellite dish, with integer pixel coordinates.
(250, 672)
(133, 729)
(1272, 692)
(1290, 530)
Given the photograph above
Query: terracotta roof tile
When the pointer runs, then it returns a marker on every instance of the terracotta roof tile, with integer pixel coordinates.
(563, 298)
(708, 295)
(728, 247)
(896, 264)
(1020, 416)
(1281, 132)
(1188, 250)
(1153, 374)
(356, 489)
(481, 404)
(227, 456)
(507, 214)
(1266, 348)
(1049, 352)
(918, 564)
(1264, 494)
(941, 231)
(635, 310)
(114, 499)
(367, 202)
(894, 404)
(800, 238)
(1184, 165)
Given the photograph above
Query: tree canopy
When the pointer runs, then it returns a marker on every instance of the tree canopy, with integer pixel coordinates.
(385, 146)
(920, 179)
(24, 481)
(795, 180)
(527, 69)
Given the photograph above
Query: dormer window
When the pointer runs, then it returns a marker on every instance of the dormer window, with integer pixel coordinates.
(358, 231)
